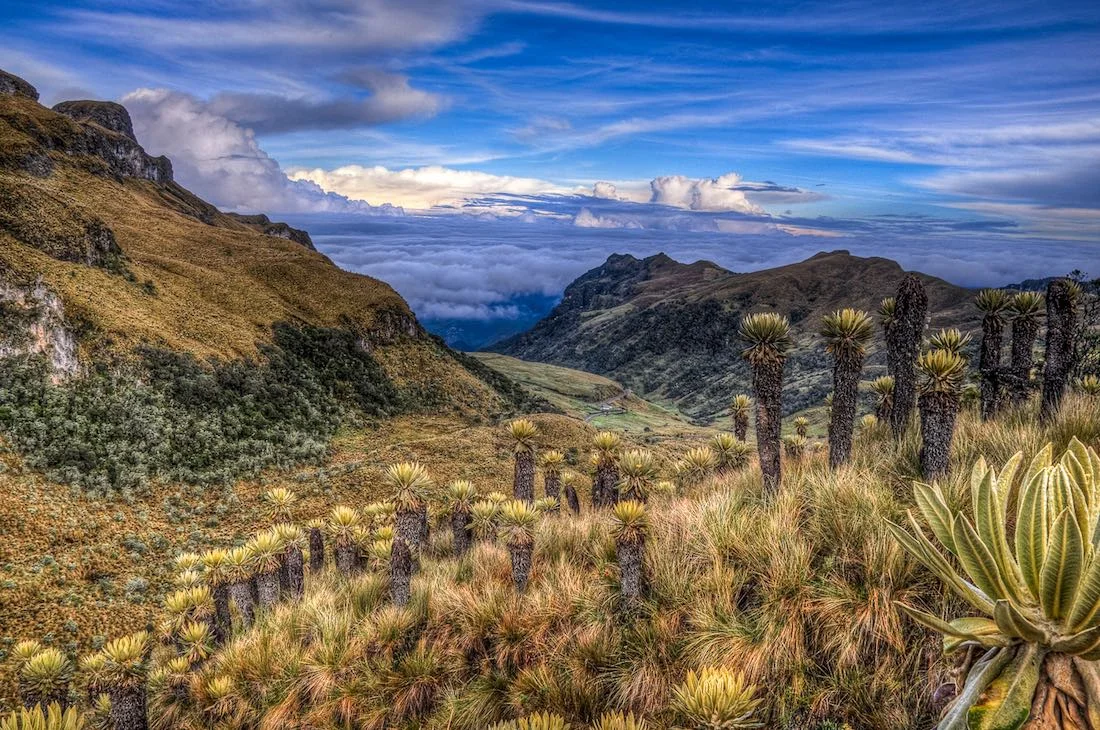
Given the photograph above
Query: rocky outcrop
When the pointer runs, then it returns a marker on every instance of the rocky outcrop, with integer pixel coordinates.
(32, 322)
(107, 114)
(12, 84)
(262, 224)
(101, 133)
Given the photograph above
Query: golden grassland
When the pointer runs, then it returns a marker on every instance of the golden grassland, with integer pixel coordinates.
(800, 593)
(66, 559)
(217, 291)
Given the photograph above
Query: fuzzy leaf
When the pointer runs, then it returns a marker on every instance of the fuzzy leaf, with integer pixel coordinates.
(1031, 529)
(1086, 606)
(1081, 643)
(1007, 477)
(977, 560)
(1039, 462)
(922, 549)
(1062, 567)
(1006, 702)
(936, 512)
(1013, 622)
(984, 671)
(960, 631)
(989, 519)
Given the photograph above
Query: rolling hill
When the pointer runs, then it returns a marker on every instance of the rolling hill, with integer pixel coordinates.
(599, 401)
(668, 330)
(147, 335)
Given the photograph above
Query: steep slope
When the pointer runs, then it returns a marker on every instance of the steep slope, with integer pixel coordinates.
(669, 330)
(231, 339)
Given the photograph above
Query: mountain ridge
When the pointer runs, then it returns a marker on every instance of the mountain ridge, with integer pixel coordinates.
(669, 329)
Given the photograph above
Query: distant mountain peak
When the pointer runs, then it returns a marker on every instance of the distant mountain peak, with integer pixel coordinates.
(829, 254)
(669, 329)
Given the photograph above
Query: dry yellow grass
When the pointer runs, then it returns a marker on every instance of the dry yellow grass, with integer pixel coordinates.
(218, 287)
(65, 559)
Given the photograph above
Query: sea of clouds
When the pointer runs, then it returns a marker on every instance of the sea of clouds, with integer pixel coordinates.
(461, 267)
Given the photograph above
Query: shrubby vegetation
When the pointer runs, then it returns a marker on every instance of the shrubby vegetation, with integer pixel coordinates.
(172, 417)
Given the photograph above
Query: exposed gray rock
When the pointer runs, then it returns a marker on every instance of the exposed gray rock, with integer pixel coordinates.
(263, 224)
(38, 164)
(106, 114)
(106, 134)
(13, 85)
(33, 323)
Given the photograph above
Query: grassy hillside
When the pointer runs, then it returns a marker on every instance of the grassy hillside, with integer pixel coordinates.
(799, 593)
(147, 336)
(78, 569)
(668, 330)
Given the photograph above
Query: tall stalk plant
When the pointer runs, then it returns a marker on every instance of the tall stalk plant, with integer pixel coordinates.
(903, 343)
(1063, 324)
(768, 340)
(993, 304)
(941, 373)
(846, 333)
(1025, 311)
(523, 432)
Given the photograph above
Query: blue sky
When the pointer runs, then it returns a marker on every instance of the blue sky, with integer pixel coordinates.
(958, 124)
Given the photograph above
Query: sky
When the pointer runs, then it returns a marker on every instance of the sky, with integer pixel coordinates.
(927, 132)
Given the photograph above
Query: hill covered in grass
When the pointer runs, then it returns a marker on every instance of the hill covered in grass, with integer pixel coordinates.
(668, 330)
(146, 335)
(799, 594)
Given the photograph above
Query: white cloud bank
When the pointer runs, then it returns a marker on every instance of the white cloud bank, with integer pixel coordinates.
(423, 187)
(218, 157)
(221, 161)
(434, 186)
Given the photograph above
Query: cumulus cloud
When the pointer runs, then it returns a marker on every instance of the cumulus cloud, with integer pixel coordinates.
(710, 194)
(391, 99)
(585, 218)
(439, 188)
(220, 160)
(424, 187)
(605, 191)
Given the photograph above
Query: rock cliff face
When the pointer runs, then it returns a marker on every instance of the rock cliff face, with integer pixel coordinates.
(108, 133)
(107, 114)
(32, 322)
(12, 84)
(264, 225)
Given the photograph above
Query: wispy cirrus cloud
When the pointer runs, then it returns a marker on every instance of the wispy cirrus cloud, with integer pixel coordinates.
(391, 99)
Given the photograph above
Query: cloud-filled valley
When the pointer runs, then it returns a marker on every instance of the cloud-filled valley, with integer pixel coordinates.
(465, 268)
